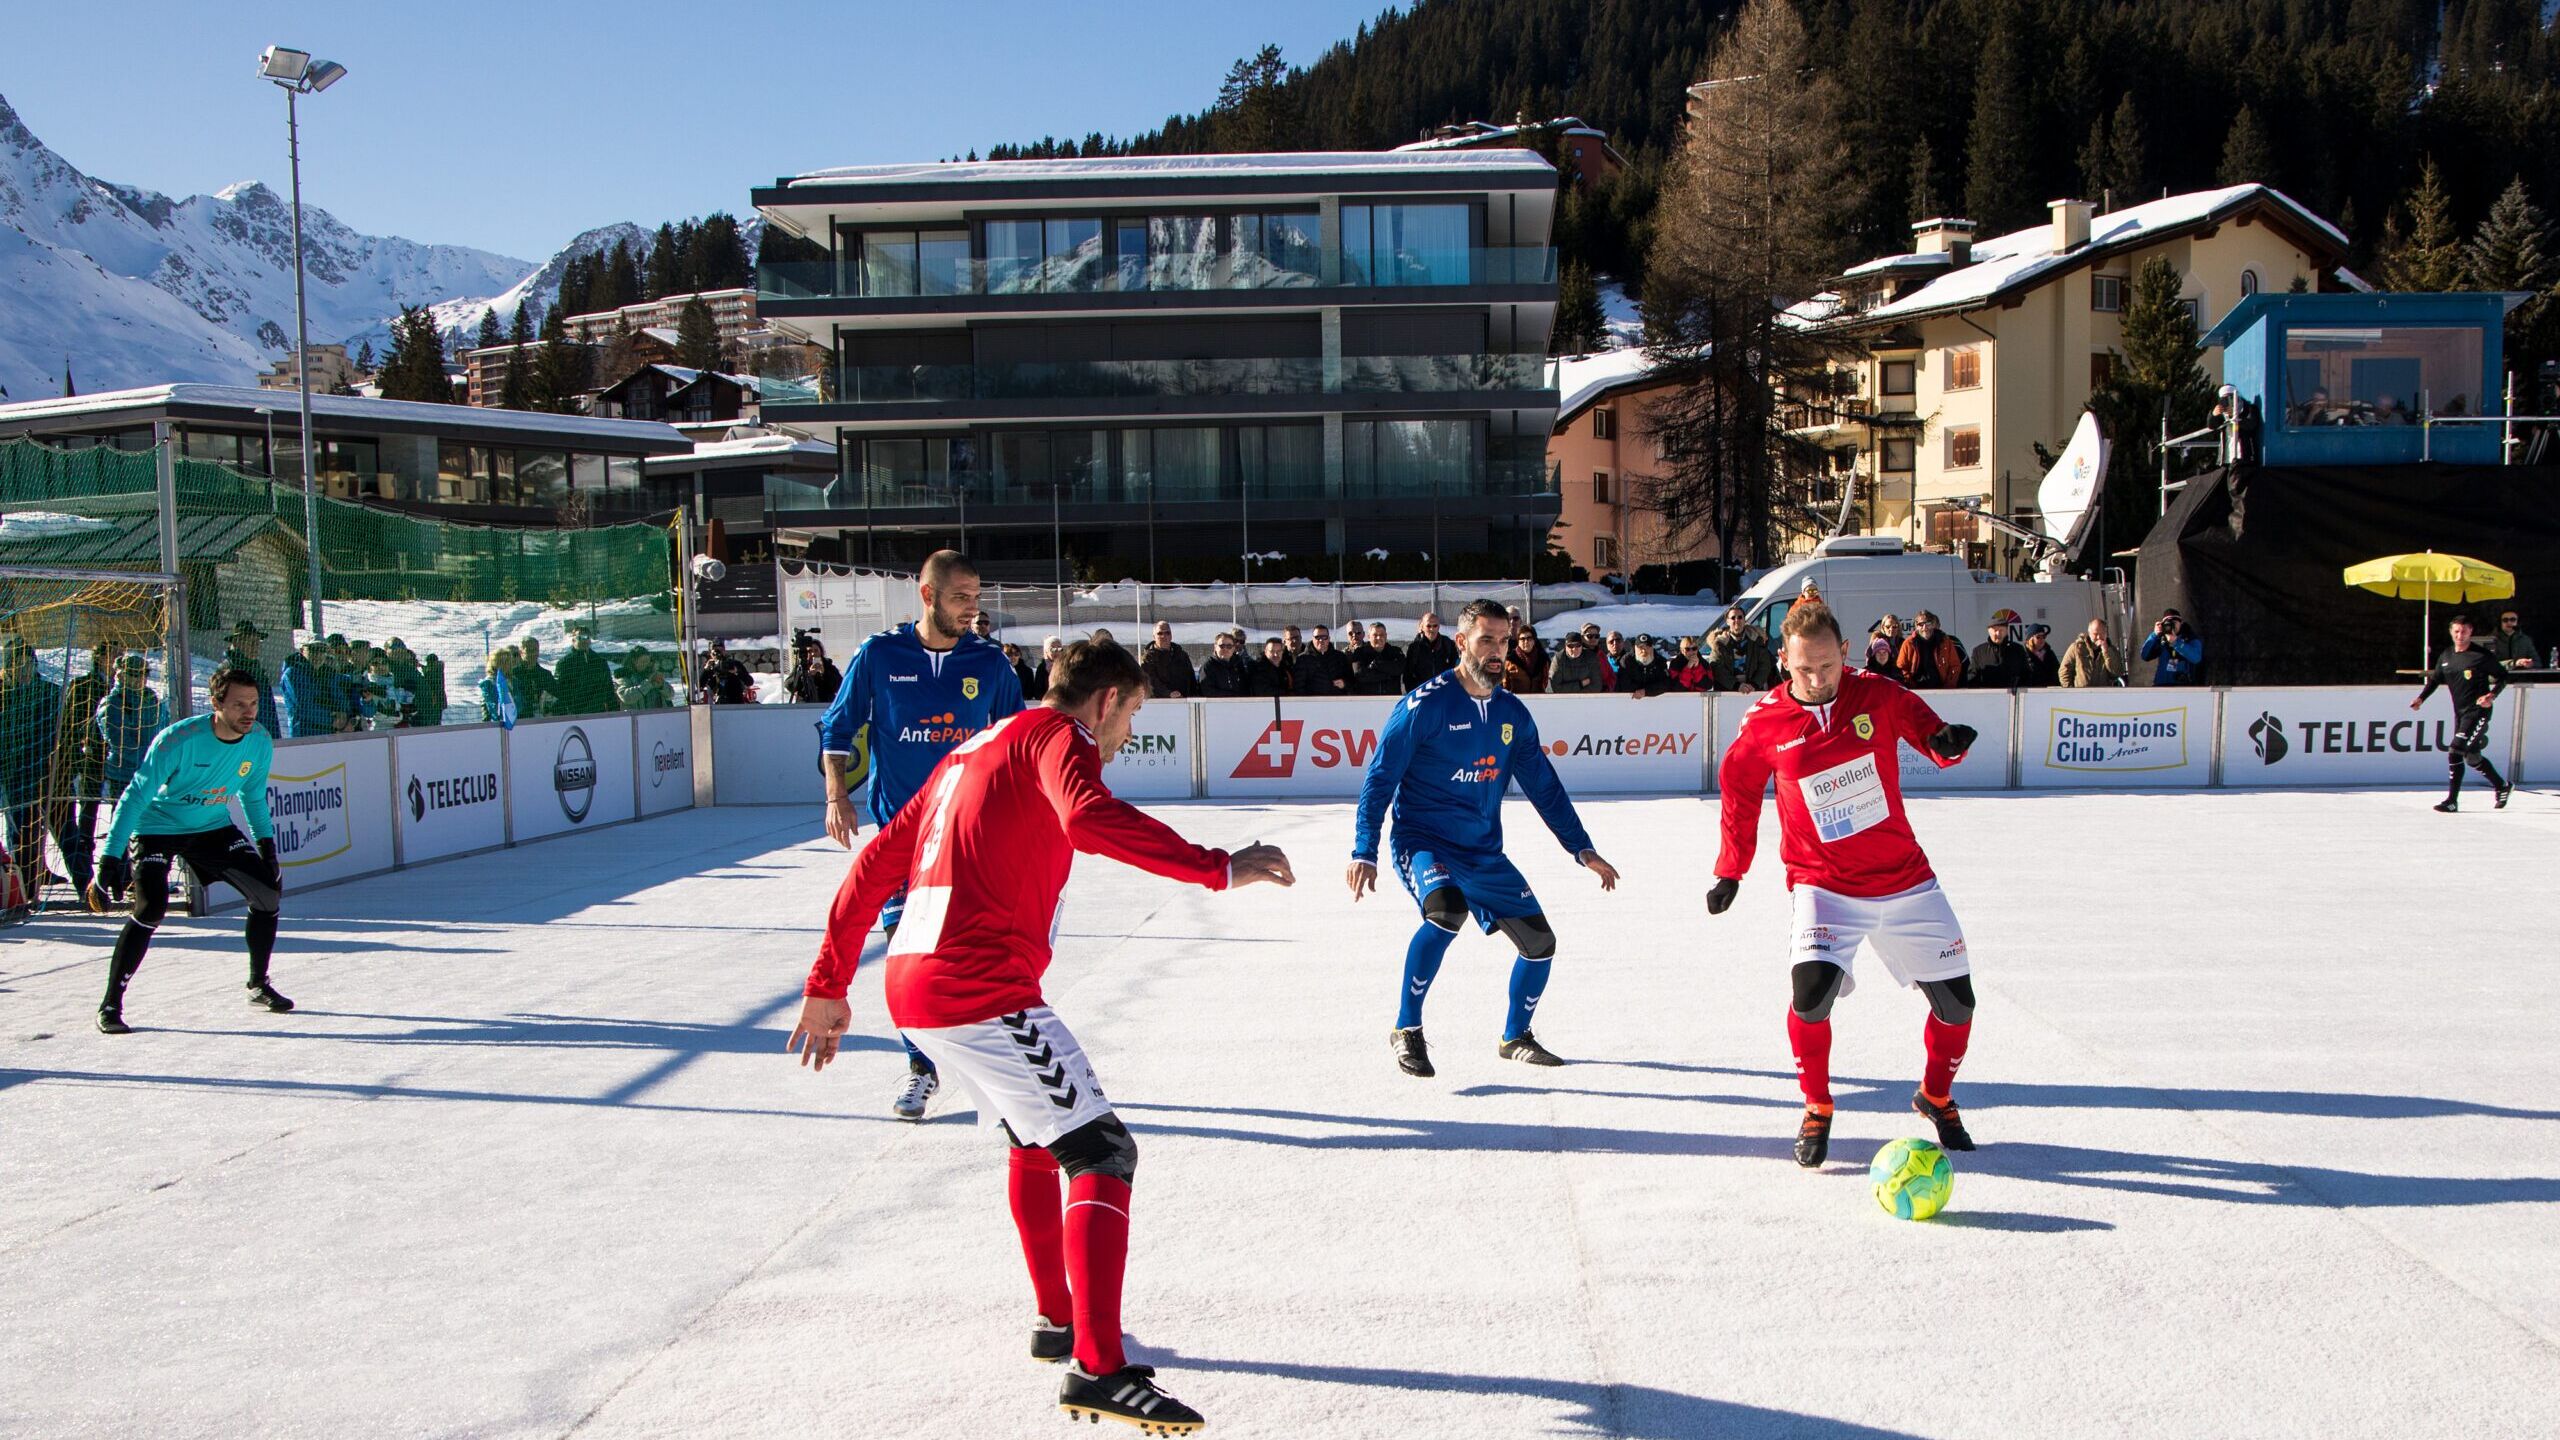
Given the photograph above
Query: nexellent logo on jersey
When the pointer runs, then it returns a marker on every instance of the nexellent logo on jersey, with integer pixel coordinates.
(1275, 756)
(943, 729)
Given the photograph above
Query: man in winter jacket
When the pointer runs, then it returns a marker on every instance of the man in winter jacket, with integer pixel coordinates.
(1168, 667)
(1576, 670)
(1431, 654)
(1999, 663)
(1739, 657)
(1320, 669)
(1270, 674)
(2177, 653)
(305, 694)
(537, 689)
(1644, 673)
(1377, 668)
(1222, 675)
(584, 685)
(2093, 660)
(1930, 659)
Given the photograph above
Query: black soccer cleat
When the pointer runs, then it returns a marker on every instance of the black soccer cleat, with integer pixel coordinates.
(111, 1021)
(1412, 1056)
(1051, 1344)
(1128, 1395)
(2448, 805)
(1951, 1131)
(263, 994)
(1524, 1047)
(1813, 1140)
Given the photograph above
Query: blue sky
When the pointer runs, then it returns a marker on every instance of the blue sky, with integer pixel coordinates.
(514, 126)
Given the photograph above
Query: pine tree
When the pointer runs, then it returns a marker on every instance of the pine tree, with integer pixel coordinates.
(488, 327)
(2427, 256)
(626, 276)
(516, 391)
(697, 337)
(1999, 154)
(2248, 155)
(665, 274)
(1581, 326)
(364, 358)
(1253, 112)
(414, 370)
(2159, 372)
(2128, 176)
(2512, 249)
(1928, 195)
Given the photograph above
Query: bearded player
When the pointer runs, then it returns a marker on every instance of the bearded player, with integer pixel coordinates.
(922, 687)
(1448, 752)
(982, 856)
(1829, 736)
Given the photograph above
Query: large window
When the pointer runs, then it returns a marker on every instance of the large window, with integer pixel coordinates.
(1964, 368)
(1900, 454)
(907, 470)
(1281, 462)
(1409, 457)
(1173, 463)
(1407, 244)
(2381, 375)
(1901, 377)
(1274, 251)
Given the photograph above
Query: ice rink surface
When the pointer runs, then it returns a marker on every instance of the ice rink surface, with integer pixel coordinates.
(2266, 1084)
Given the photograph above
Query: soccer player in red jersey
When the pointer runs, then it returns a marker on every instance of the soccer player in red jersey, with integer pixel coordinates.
(983, 853)
(1829, 737)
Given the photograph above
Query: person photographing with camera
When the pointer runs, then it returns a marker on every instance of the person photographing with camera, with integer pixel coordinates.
(2176, 654)
(2473, 678)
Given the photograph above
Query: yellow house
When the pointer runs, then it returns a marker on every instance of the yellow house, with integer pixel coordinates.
(1966, 355)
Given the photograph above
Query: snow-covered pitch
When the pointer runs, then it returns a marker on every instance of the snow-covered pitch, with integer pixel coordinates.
(2266, 1085)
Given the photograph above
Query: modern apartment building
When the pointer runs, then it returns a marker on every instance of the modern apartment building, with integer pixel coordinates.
(1965, 355)
(1160, 366)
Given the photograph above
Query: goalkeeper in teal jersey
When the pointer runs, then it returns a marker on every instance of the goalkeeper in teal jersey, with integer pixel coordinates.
(179, 806)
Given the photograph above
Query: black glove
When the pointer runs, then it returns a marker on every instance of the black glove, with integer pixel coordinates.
(1722, 896)
(115, 876)
(1952, 741)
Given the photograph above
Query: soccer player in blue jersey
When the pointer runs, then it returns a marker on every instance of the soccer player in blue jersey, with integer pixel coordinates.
(922, 688)
(178, 806)
(1450, 750)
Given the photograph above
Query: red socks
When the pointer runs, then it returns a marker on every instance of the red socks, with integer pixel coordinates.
(1946, 1051)
(1812, 1042)
(1031, 1184)
(1097, 1253)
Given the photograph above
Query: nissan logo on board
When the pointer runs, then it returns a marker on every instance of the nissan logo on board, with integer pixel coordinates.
(573, 775)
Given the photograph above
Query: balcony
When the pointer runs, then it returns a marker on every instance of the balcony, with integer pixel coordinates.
(934, 277)
(1161, 379)
(801, 495)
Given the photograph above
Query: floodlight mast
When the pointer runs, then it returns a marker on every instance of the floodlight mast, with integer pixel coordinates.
(294, 73)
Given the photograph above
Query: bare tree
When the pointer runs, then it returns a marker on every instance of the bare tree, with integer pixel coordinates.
(1750, 226)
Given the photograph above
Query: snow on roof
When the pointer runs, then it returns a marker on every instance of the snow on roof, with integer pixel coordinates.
(355, 408)
(1934, 260)
(1581, 379)
(1145, 167)
(1478, 132)
(766, 445)
(2004, 262)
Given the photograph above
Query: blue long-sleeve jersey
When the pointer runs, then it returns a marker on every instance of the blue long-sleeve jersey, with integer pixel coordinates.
(1444, 762)
(920, 704)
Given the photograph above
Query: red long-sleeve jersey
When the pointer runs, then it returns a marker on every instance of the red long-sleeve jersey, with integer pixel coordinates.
(1840, 821)
(983, 852)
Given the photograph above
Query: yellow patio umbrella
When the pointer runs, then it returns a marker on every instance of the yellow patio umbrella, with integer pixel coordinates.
(2429, 576)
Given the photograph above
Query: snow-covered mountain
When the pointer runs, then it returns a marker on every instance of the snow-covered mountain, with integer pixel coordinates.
(460, 319)
(137, 288)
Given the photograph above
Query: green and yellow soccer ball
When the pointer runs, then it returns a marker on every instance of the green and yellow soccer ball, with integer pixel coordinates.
(1912, 1179)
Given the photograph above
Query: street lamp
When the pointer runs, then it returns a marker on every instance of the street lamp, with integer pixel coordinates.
(298, 75)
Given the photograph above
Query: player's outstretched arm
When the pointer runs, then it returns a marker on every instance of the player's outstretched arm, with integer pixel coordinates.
(821, 1029)
(1257, 864)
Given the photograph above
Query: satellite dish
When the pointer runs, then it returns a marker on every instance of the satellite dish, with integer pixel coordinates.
(2071, 483)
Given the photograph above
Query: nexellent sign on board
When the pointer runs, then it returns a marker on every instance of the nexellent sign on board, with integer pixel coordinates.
(2343, 736)
(2115, 739)
(570, 774)
(662, 745)
(450, 789)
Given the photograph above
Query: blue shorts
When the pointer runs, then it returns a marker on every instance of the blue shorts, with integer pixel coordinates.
(1494, 887)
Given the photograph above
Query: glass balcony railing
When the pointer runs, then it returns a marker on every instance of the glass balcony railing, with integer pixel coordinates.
(792, 495)
(1092, 274)
(1158, 379)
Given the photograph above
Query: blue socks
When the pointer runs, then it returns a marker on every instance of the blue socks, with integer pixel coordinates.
(921, 1066)
(1421, 965)
(1528, 982)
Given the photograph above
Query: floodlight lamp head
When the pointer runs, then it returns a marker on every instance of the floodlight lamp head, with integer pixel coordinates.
(324, 75)
(284, 66)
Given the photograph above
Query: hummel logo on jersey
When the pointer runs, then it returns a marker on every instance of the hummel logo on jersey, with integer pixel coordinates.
(904, 679)
(1463, 725)
(1791, 744)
